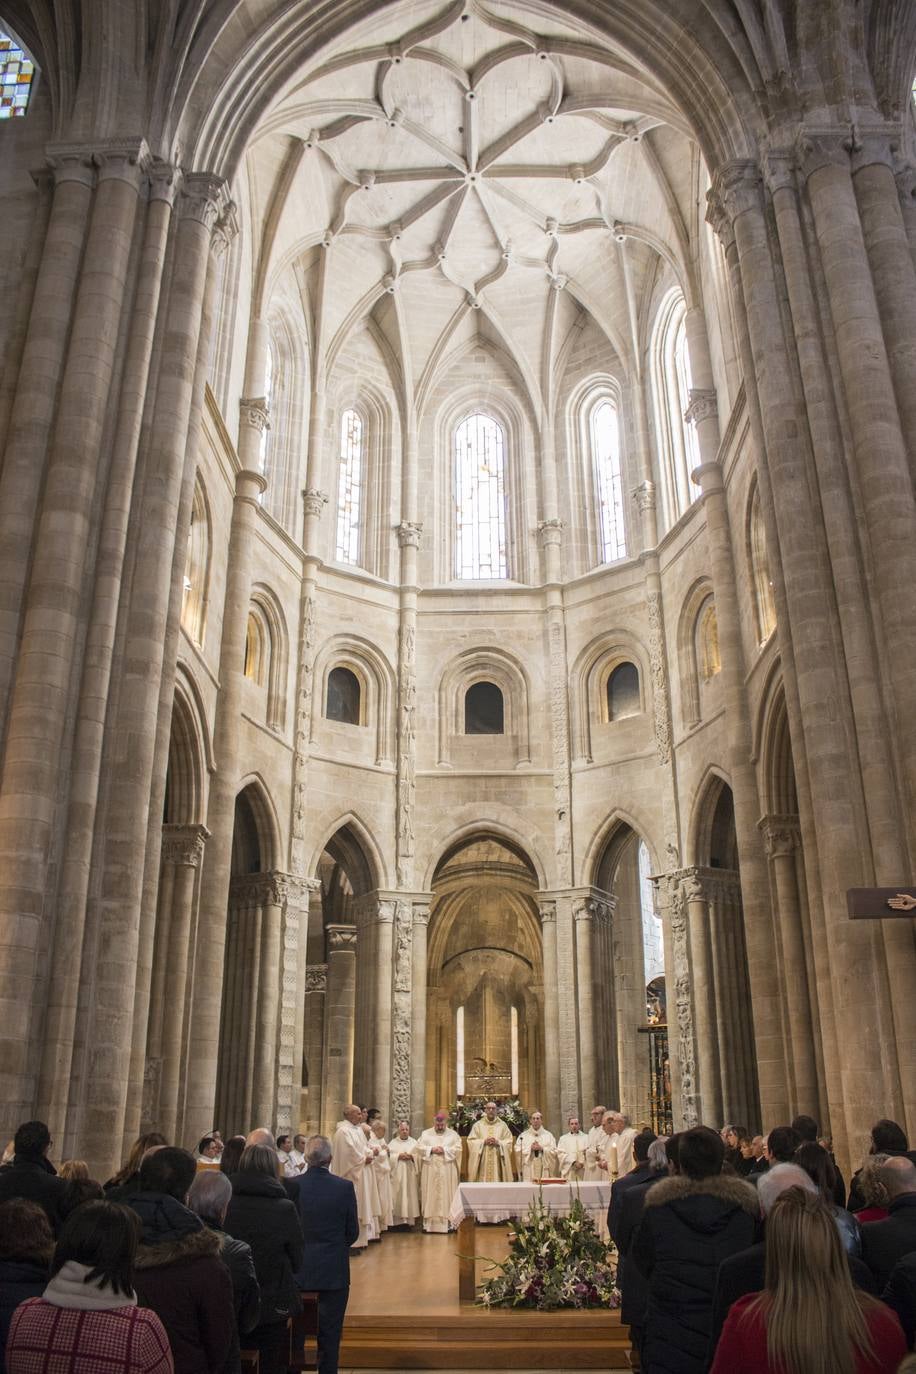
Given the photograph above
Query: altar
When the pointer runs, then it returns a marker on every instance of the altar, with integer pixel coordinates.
(495, 1202)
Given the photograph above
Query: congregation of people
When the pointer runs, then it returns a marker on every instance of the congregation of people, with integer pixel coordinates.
(735, 1253)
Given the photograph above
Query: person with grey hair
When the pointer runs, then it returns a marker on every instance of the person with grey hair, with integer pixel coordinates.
(210, 1195)
(330, 1225)
(886, 1242)
(745, 1272)
(630, 1195)
(261, 1214)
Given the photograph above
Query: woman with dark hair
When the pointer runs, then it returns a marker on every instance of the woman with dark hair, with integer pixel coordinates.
(262, 1215)
(810, 1319)
(78, 1191)
(89, 1309)
(232, 1153)
(127, 1179)
(818, 1165)
(26, 1247)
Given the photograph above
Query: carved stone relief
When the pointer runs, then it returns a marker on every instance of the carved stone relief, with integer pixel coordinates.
(401, 1013)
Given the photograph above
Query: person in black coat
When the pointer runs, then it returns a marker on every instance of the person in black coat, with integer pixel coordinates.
(746, 1272)
(31, 1174)
(209, 1198)
(262, 1215)
(808, 1129)
(630, 1280)
(26, 1248)
(690, 1224)
(886, 1242)
(887, 1138)
(641, 1171)
(330, 1225)
(900, 1294)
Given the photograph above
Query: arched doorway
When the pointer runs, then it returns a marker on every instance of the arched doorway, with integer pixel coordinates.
(485, 999)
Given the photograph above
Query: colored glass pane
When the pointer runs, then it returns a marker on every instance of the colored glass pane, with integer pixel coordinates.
(16, 76)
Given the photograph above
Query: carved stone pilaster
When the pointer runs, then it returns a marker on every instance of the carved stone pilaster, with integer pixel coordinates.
(291, 891)
(559, 731)
(658, 670)
(671, 886)
(183, 845)
(781, 835)
(406, 786)
(308, 616)
(401, 1012)
(703, 405)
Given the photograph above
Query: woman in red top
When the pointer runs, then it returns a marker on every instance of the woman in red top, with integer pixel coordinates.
(87, 1321)
(873, 1191)
(809, 1319)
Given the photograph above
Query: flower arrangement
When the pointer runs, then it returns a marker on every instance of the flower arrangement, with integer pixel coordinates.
(463, 1113)
(554, 1262)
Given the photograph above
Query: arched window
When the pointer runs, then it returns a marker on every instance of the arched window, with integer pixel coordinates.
(256, 649)
(480, 499)
(196, 568)
(483, 709)
(17, 78)
(764, 602)
(623, 692)
(604, 433)
(459, 1052)
(678, 452)
(344, 701)
(652, 942)
(708, 660)
(263, 449)
(349, 487)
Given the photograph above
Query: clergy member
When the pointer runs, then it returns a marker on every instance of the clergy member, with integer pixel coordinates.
(490, 1149)
(622, 1137)
(381, 1169)
(536, 1151)
(404, 1153)
(440, 1153)
(595, 1142)
(571, 1152)
(350, 1159)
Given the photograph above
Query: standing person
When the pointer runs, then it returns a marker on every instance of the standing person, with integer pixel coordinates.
(641, 1172)
(26, 1249)
(572, 1152)
(871, 1191)
(490, 1149)
(179, 1273)
(31, 1174)
(381, 1170)
(127, 1179)
(439, 1151)
(536, 1151)
(809, 1317)
(350, 1160)
(690, 1224)
(403, 1151)
(818, 1165)
(330, 1226)
(886, 1242)
(232, 1153)
(626, 1218)
(209, 1198)
(297, 1154)
(595, 1141)
(622, 1135)
(88, 1317)
(262, 1215)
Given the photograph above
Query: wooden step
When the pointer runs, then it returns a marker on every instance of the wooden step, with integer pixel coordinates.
(488, 1340)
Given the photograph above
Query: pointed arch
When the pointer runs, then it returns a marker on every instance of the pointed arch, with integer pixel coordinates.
(351, 841)
(254, 795)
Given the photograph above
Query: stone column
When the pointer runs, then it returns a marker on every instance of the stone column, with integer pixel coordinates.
(204, 1046)
(782, 839)
(381, 1021)
(705, 1010)
(418, 998)
(264, 1095)
(182, 851)
(299, 893)
(906, 189)
(681, 1034)
(338, 1026)
(585, 998)
(553, 1106)
(316, 983)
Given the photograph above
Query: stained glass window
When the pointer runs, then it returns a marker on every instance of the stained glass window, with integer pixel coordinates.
(480, 498)
(16, 74)
(349, 487)
(606, 456)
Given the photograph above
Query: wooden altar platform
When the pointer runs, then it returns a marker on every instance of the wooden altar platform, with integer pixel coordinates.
(404, 1314)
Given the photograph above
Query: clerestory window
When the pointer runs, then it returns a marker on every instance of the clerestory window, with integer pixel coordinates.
(349, 487)
(480, 499)
(604, 432)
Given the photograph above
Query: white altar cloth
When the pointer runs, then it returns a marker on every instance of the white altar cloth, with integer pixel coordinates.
(503, 1201)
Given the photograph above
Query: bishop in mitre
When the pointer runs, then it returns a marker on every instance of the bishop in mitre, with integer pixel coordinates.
(571, 1152)
(439, 1148)
(350, 1159)
(404, 1153)
(596, 1143)
(490, 1149)
(536, 1151)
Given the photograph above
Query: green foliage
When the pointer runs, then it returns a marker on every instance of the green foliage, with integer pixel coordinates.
(467, 1110)
(554, 1262)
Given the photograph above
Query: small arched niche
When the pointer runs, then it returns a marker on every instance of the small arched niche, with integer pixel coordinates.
(623, 691)
(484, 709)
(344, 700)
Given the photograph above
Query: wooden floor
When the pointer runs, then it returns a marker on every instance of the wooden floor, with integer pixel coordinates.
(404, 1314)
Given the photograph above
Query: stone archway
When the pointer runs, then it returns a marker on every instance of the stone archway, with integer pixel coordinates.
(485, 993)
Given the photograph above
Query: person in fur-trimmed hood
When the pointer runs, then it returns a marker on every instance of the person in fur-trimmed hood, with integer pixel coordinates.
(178, 1272)
(691, 1223)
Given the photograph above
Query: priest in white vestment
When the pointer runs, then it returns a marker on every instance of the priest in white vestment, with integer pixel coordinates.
(593, 1174)
(622, 1137)
(350, 1159)
(381, 1168)
(439, 1149)
(572, 1149)
(536, 1151)
(404, 1153)
(490, 1149)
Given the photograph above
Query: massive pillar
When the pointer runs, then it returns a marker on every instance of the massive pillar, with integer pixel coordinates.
(340, 1003)
(182, 851)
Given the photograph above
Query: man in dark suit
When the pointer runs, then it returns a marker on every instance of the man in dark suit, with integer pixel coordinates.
(886, 1242)
(330, 1225)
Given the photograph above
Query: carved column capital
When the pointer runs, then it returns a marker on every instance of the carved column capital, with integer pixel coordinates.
(736, 187)
(408, 533)
(341, 939)
(226, 229)
(780, 169)
(818, 148)
(71, 162)
(316, 978)
(548, 913)
(421, 914)
(314, 501)
(163, 180)
(203, 197)
(703, 405)
(183, 845)
(255, 412)
(781, 835)
(550, 532)
(644, 496)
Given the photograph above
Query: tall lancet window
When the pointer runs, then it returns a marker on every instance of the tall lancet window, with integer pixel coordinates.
(480, 499)
(268, 397)
(349, 487)
(653, 948)
(605, 437)
(678, 451)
